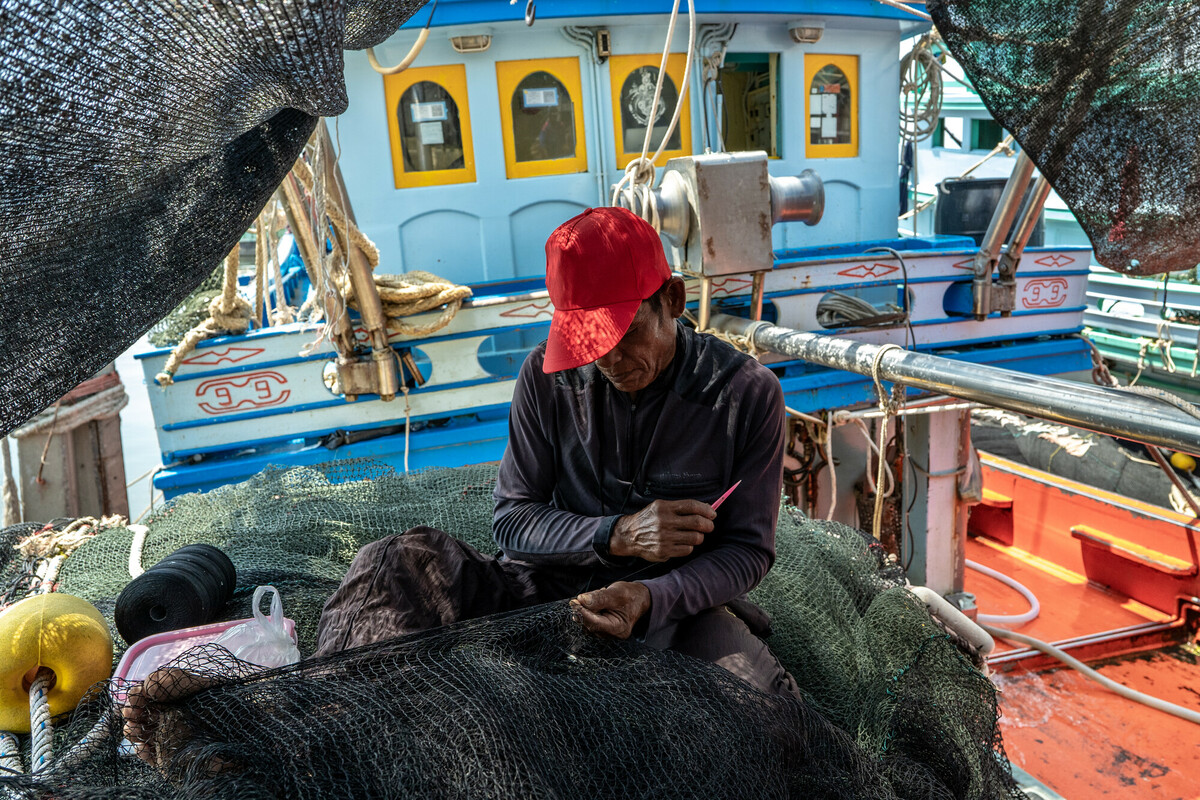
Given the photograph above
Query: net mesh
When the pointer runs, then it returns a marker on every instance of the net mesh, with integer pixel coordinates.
(526, 704)
(137, 142)
(1103, 97)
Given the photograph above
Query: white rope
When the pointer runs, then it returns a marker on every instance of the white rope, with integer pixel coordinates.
(888, 406)
(405, 62)
(41, 731)
(135, 549)
(901, 6)
(10, 754)
(639, 173)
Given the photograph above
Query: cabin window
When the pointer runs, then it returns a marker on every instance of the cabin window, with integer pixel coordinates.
(831, 105)
(430, 126)
(633, 79)
(750, 108)
(985, 134)
(541, 118)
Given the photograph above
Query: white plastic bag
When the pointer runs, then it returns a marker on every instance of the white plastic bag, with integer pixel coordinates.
(263, 640)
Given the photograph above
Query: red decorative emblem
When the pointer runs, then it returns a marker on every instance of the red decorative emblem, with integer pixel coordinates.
(221, 355)
(966, 263)
(242, 392)
(530, 310)
(1044, 292)
(869, 271)
(1055, 261)
(729, 286)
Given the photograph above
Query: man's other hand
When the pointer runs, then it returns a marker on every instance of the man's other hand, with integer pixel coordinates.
(613, 610)
(662, 530)
(165, 685)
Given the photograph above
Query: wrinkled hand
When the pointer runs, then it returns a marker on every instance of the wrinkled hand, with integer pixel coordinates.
(143, 728)
(662, 530)
(613, 610)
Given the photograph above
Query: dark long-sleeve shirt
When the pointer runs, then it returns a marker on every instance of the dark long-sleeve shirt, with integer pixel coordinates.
(582, 453)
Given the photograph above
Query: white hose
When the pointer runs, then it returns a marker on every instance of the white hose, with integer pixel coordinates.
(405, 62)
(1008, 619)
(1091, 674)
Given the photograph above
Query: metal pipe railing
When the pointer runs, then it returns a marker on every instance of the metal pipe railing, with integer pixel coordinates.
(1099, 409)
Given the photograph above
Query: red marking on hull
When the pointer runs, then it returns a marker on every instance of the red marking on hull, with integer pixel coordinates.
(242, 392)
(869, 270)
(1044, 292)
(214, 356)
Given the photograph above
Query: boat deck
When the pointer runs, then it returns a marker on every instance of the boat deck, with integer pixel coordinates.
(1077, 738)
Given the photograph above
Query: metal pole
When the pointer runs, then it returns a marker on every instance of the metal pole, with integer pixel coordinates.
(1012, 256)
(997, 232)
(1095, 408)
(370, 308)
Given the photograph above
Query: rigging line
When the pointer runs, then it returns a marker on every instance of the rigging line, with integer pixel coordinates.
(413, 52)
(902, 7)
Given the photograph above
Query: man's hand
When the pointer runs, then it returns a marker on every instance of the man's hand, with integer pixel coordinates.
(662, 530)
(142, 729)
(613, 610)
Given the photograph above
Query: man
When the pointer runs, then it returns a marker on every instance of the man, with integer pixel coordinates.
(625, 427)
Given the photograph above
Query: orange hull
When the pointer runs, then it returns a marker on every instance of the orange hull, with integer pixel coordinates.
(1117, 582)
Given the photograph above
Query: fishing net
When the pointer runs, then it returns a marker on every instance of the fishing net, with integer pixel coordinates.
(526, 704)
(137, 142)
(1103, 97)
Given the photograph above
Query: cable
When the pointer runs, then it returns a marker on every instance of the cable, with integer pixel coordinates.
(413, 51)
(1035, 608)
(1091, 674)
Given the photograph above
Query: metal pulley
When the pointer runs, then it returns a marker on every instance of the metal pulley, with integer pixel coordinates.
(716, 210)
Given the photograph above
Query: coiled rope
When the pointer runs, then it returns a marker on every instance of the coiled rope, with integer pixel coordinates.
(636, 184)
(228, 312)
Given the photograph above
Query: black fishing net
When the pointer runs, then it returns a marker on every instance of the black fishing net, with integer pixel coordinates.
(527, 704)
(137, 142)
(1104, 97)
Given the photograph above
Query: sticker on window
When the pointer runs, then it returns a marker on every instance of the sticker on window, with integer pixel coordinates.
(428, 112)
(540, 98)
(430, 133)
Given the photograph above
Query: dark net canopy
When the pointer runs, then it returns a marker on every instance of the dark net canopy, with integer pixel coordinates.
(1104, 96)
(526, 705)
(137, 142)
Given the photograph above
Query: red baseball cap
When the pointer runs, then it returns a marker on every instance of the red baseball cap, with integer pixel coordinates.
(600, 266)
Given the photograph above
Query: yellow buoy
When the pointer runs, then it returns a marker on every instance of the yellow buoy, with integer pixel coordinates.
(1183, 461)
(57, 631)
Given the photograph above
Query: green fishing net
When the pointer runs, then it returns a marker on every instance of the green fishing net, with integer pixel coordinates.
(526, 704)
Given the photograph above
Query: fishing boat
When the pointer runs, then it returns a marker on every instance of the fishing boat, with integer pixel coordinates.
(775, 192)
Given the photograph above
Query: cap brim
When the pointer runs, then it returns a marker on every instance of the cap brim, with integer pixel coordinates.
(580, 336)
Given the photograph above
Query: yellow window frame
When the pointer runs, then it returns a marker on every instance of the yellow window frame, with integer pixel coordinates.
(619, 69)
(509, 75)
(452, 78)
(814, 63)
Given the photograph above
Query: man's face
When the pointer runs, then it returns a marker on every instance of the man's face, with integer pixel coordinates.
(643, 352)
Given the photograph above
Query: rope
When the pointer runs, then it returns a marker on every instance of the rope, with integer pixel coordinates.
(1005, 146)
(887, 406)
(10, 754)
(283, 313)
(228, 312)
(920, 76)
(12, 499)
(260, 268)
(135, 549)
(41, 730)
(639, 173)
(901, 6)
(65, 419)
(50, 542)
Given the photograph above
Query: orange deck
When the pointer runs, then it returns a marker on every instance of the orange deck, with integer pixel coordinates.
(1074, 736)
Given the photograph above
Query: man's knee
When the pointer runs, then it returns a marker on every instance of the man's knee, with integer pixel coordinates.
(721, 638)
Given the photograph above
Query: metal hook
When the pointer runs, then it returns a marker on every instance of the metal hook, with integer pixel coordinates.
(530, 12)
